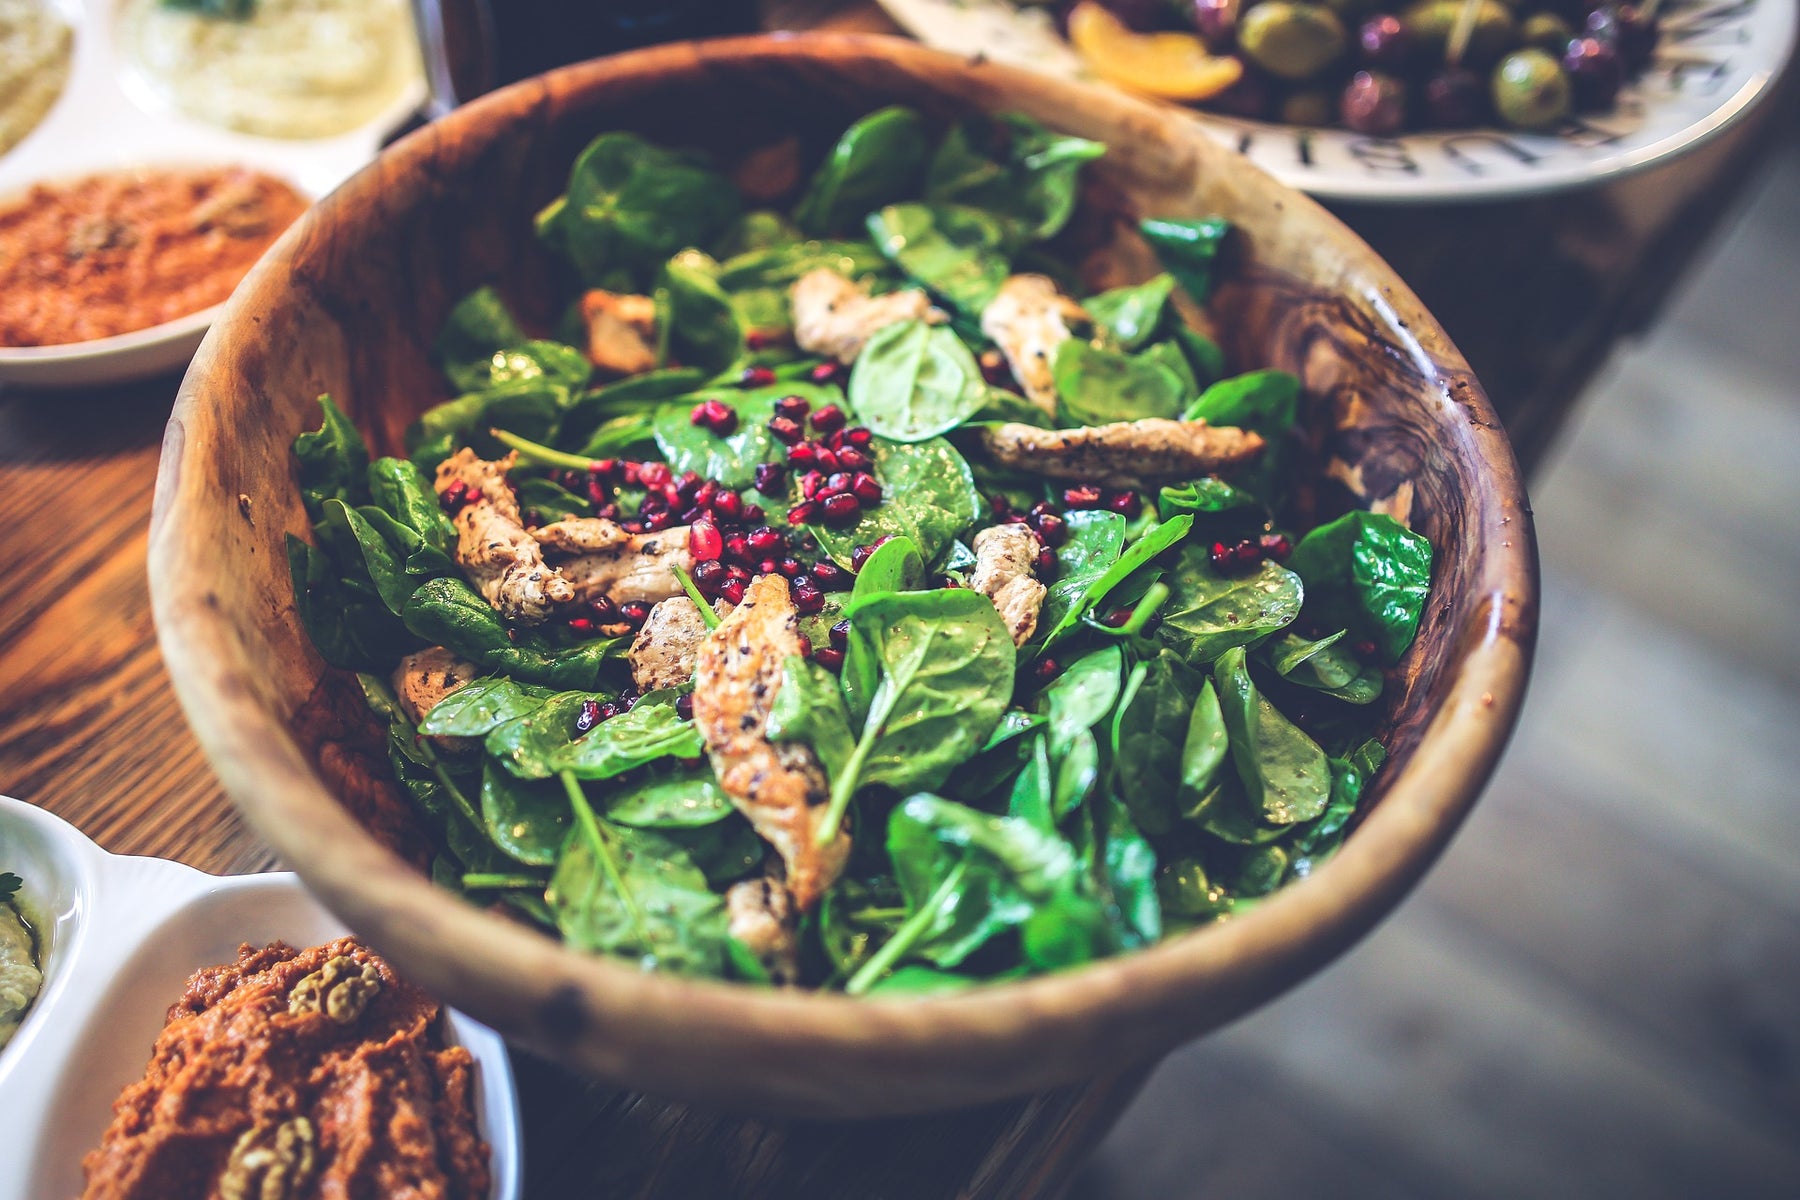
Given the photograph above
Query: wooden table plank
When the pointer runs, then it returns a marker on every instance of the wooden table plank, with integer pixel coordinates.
(90, 729)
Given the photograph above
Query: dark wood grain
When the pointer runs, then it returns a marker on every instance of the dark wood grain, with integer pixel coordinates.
(89, 727)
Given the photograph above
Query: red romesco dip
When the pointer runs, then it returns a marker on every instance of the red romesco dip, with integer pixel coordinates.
(296, 1074)
(128, 250)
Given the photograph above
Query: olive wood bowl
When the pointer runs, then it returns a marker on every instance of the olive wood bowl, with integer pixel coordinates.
(348, 303)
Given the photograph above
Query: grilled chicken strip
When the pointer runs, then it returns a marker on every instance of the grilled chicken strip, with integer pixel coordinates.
(761, 914)
(1004, 558)
(621, 331)
(836, 317)
(1028, 319)
(662, 654)
(1125, 454)
(502, 560)
(780, 787)
(421, 682)
(598, 558)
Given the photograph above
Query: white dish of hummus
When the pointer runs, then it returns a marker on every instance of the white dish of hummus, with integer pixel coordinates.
(124, 936)
(20, 978)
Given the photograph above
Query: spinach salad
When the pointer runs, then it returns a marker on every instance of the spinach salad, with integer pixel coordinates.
(841, 597)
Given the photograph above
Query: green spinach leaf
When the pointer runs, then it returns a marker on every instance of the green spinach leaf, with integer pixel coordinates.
(928, 495)
(1265, 401)
(1132, 316)
(809, 708)
(1152, 543)
(1209, 613)
(1097, 387)
(958, 252)
(333, 461)
(1368, 573)
(684, 799)
(1013, 167)
(476, 708)
(477, 328)
(1189, 249)
(1325, 665)
(697, 316)
(404, 492)
(1284, 773)
(878, 160)
(914, 381)
(527, 818)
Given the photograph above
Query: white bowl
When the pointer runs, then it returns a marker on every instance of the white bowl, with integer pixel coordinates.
(122, 936)
(101, 123)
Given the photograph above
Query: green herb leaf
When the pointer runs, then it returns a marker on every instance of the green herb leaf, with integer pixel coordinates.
(1189, 249)
(1368, 573)
(808, 708)
(1134, 315)
(1096, 387)
(914, 381)
(878, 160)
(958, 252)
(333, 461)
(1325, 665)
(1210, 613)
(687, 799)
(1011, 166)
(1154, 542)
(1283, 772)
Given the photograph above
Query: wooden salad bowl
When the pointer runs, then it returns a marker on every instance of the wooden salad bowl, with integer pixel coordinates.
(348, 303)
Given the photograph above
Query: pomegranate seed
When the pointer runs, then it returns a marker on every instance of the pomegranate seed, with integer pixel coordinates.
(802, 456)
(709, 574)
(704, 541)
(707, 493)
(1046, 563)
(658, 521)
(768, 566)
(825, 460)
(654, 475)
(831, 660)
(581, 625)
(604, 611)
(596, 491)
(632, 526)
(1084, 495)
(786, 430)
(715, 415)
(1045, 669)
(732, 592)
(604, 466)
(806, 648)
(1126, 504)
(811, 483)
(852, 459)
(752, 515)
(684, 706)
(840, 635)
(737, 549)
(842, 509)
(727, 505)
(1365, 649)
(1116, 618)
(826, 372)
(655, 502)
(607, 512)
(771, 478)
(789, 567)
(1052, 528)
(829, 419)
(1220, 556)
(1248, 552)
(764, 540)
(839, 481)
(628, 471)
(803, 513)
(860, 436)
(807, 597)
(455, 496)
(633, 612)
(794, 408)
(739, 573)
(755, 339)
(1277, 547)
(860, 554)
(590, 716)
(756, 377)
(693, 514)
(689, 485)
(627, 700)
(830, 576)
(865, 489)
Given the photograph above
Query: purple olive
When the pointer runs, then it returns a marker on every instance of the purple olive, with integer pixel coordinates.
(1373, 103)
(1216, 23)
(1385, 43)
(1455, 98)
(1596, 73)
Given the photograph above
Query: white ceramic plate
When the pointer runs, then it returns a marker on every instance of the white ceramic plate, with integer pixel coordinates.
(102, 122)
(1716, 57)
(121, 937)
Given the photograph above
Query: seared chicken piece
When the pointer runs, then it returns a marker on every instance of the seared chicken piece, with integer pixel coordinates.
(761, 914)
(621, 331)
(421, 682)
(1125, 454)
(1028, 319)
(780, 787)
(598, 558)
(836, 317)
(662, 654)
(1004, 558)
(502, 560)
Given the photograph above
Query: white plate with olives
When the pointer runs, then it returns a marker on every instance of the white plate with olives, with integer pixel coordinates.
(1407, 101)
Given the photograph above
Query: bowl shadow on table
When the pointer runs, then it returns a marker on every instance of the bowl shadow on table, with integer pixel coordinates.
(348, 303)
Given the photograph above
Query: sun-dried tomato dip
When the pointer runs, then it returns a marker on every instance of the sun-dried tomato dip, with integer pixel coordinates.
(127, 250)
(297, 1074)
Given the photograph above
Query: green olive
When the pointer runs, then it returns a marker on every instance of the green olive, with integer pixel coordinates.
(1311, 107)
(1546, 31)
(1531, 90)
(1494, 34)
(1294, 41)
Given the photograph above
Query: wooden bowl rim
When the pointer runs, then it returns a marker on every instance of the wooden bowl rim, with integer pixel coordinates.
(625, 1019)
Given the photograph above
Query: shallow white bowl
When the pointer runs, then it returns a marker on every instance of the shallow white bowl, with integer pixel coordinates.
(122, 935)
(103, 122)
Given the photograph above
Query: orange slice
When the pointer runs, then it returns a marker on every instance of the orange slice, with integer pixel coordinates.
(1172, 66)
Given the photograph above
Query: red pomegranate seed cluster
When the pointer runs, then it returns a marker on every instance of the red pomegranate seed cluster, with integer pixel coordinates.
(837, 469)
(455, 497)
(1229, 557)
(1123, 501)
(715, 416)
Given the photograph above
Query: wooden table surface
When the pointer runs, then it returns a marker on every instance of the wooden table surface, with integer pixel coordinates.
(1535, 293)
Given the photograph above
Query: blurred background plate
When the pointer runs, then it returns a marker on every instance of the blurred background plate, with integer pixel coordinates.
(1716, 58)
